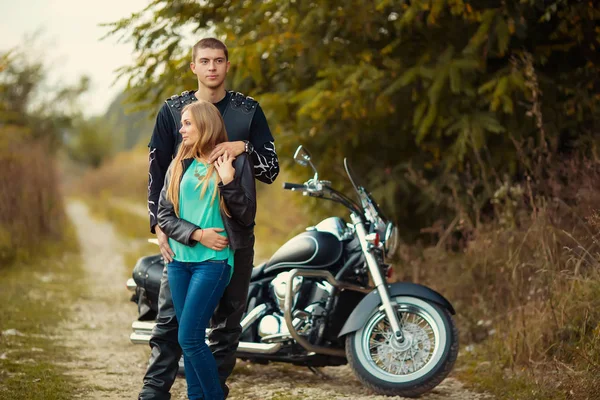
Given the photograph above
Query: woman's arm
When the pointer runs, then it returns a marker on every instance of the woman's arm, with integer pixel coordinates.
(174, 227)
(240, 194)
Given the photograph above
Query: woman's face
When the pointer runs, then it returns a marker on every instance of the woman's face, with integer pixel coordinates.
(189, 133)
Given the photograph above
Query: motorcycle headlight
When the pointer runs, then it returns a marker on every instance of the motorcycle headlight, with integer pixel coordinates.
(391, 239)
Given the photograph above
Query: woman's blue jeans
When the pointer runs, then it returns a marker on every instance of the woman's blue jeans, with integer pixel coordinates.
(196, 289)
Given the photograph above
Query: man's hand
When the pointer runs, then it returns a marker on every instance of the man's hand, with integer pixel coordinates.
(234, 149)
(210, 238)
(163, 245)
(224, 166)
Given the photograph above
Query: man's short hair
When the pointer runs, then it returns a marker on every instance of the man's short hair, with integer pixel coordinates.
(209, 43)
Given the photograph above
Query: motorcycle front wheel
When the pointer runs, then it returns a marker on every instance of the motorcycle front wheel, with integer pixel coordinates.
(414, 366)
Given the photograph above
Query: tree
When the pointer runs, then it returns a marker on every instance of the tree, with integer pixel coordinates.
(129, 125)
(93, 142)
(22, 83)
(438, 91)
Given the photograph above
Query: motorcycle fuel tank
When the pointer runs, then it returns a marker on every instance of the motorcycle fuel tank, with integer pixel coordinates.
(333, 225)
(311, 249)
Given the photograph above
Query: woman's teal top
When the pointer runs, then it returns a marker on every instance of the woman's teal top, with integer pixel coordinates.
(202, 211)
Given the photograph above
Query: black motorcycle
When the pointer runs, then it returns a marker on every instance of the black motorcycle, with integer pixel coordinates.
(312, 304)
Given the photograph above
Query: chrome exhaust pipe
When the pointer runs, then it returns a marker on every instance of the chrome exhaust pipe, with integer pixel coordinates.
(252, 316)
(145, 327)
(139, 338)
(243, 347)
(142, 331)
(259, 348)
(142, 326)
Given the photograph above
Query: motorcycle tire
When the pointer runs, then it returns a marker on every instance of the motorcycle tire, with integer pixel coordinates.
(409, 368)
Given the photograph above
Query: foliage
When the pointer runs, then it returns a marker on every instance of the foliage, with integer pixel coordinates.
(451, 89)
(129, 125)
(31, 207)
(40, 111)
(93, 142)
(33, 121)
(526, 287)
(124, 175)
(29, 105)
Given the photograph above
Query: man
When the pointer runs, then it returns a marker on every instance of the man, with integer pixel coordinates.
(249, 132)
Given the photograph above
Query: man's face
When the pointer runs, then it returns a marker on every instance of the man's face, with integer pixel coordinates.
(211, 67)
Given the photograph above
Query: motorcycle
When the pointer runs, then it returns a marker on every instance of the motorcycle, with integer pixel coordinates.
(312, 303)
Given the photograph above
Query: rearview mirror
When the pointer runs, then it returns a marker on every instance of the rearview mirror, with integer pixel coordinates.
(302, 156)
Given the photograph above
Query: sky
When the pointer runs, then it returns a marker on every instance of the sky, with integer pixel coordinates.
(70, 36)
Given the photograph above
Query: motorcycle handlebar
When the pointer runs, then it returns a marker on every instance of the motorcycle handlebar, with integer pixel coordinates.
(292, 186)
(338, 197)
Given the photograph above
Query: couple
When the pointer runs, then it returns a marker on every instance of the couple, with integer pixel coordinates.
(207, 147)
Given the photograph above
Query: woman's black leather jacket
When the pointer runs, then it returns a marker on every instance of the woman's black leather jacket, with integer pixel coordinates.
(239, 196)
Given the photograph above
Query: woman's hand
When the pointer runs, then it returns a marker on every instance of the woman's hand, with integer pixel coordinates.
(224, 166)
(210, 238)
(163, 244)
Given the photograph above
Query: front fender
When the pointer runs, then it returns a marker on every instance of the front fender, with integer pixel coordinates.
(362, 311)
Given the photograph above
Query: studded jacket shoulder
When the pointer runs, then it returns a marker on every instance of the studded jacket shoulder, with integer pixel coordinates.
(246, 104)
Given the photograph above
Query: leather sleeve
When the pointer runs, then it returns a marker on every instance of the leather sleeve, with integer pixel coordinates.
(174, 227)
(266, 163)
(161, 153)
(240, 194)
(264, 157)
(158, 164)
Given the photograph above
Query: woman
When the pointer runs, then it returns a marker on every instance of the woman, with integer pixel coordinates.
(207, 211)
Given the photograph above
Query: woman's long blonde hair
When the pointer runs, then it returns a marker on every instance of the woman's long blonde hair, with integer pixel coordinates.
(208, 121)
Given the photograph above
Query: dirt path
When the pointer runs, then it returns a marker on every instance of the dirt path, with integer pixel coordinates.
(112, 367)
(99, 332)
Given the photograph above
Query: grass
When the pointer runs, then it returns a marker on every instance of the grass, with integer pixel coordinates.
(527, 298)
(483, 368)
(126, 222)
(35, 297)
(477, 371)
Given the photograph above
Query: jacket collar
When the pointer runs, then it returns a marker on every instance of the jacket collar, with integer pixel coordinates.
(186, 162)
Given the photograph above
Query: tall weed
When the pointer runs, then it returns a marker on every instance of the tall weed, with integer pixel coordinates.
(31, 206)
(526, 283)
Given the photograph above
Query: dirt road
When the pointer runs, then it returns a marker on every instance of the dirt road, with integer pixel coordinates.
(111, 368)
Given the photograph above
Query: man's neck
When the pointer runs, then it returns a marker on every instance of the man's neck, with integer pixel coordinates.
(212, 95)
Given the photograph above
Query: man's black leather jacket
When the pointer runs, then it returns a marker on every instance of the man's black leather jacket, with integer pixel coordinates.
(239, 196)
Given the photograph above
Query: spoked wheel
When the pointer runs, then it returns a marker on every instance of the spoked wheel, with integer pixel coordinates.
(411, 367)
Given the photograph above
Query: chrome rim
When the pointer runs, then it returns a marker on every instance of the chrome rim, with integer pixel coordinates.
(390, 360)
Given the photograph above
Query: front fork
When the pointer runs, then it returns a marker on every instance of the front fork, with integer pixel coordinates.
(378, 279)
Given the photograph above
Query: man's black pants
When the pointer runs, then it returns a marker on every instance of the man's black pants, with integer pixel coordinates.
(224, 337)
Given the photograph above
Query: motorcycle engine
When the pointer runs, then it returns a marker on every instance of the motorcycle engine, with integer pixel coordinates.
(308, 320)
